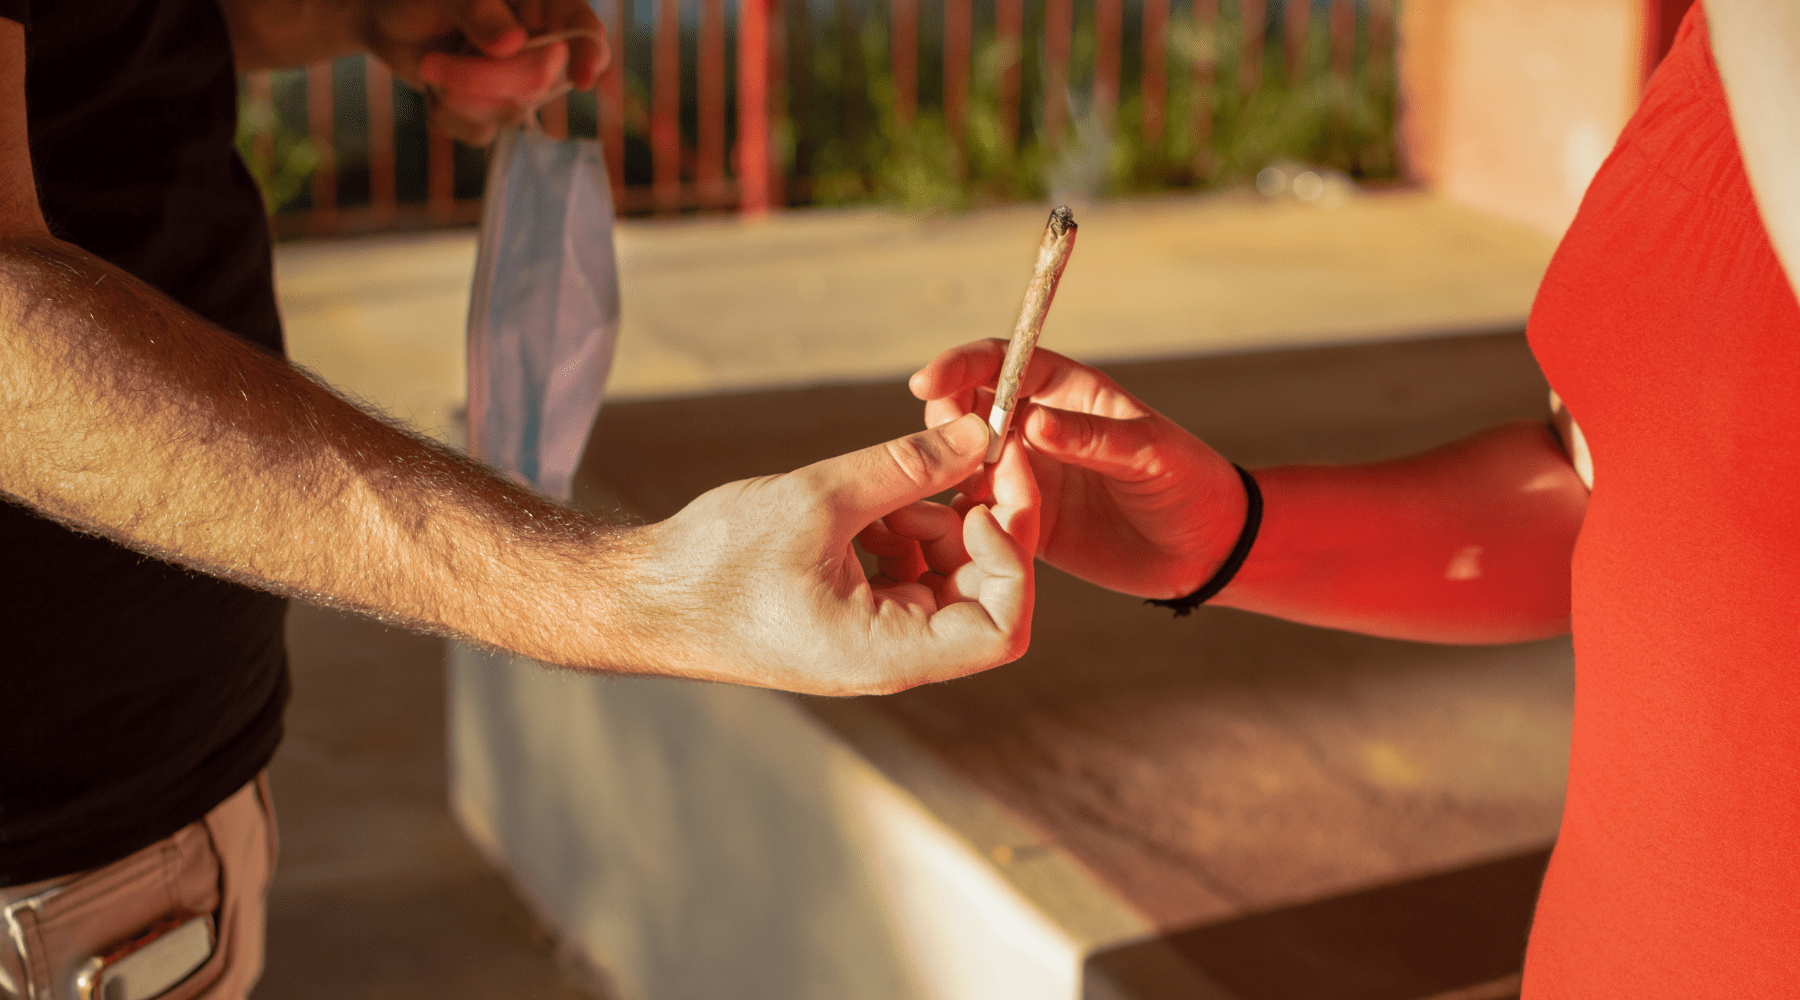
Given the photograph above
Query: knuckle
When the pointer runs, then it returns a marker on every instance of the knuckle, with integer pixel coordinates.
(914, 458)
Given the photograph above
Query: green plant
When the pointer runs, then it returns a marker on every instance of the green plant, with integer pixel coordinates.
(281, 159)
(1211, 134)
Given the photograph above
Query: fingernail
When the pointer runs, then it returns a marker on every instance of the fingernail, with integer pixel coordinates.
(967, 434)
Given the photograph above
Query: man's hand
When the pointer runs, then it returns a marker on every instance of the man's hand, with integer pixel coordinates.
(473, 94)
(757, 582)
(1131, 501)
(475, 60)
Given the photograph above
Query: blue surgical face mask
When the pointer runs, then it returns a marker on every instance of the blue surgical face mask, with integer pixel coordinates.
(544, 309)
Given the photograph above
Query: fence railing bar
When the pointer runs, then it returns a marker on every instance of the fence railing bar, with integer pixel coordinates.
(753, 106)
(1058, 30)
(379, 84)
(776, 102)
(259, 89)
(1381, 34)
(1108, 39)
(665, 110)
(1298, 18)
(554, 117)
(440, 177)
(610, 98)
(322, 126)
(1204, 28)
(1343, 38)
(855, 77)
(957, 28)
(709, 154)
(903, 42)
(1009, 30)
(1253, 16)
(1155, 85)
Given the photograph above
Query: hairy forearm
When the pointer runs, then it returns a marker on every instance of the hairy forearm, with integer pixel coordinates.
(1756, 44)
(128, 417)
(274, 34)
(1470, 543)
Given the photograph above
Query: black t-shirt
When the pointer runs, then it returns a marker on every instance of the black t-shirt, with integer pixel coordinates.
(134, 695)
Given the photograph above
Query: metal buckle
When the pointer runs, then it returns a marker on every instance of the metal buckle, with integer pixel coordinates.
(17, 932)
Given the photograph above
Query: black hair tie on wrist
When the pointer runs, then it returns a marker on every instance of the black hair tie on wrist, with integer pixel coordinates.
(1183, 606)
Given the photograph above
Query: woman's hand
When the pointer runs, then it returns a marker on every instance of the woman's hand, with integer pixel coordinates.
(1130, 501)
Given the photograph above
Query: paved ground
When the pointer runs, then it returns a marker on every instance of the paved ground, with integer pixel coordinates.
(378, 895)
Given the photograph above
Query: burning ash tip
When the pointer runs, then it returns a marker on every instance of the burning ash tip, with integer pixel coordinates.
(1061, 220)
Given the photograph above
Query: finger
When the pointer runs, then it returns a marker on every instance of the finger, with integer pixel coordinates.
(867, 484)
(1050, 378)
(469, 131)
(589, 52)
(896, 558)
(989, 627)
(522, 78)
(491, 26)
(947, 408)
(588, 58)
(959, 368)
(977, 487)
(923, 521)
(937, 529)
(879, 541)
(1121, 449)
(1016, 503)
(1003, 584)
(915, 597)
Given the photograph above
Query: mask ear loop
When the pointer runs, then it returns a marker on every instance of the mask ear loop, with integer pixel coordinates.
(538, 41)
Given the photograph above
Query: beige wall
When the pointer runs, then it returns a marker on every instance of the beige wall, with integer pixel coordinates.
(1509, 106)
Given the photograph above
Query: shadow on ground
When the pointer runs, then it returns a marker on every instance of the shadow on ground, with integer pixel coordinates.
(378, 894)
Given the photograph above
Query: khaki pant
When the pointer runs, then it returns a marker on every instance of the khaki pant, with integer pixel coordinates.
(220, 865)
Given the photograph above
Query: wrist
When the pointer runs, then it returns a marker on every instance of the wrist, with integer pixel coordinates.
(1224, 568)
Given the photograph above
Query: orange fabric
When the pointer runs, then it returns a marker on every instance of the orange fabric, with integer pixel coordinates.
(1668, 327)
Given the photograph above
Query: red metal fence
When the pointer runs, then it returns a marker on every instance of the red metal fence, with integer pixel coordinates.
(715, 140)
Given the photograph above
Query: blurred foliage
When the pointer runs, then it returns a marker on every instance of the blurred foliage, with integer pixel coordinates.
(280, 157)
(846, 144)
(1210, 135)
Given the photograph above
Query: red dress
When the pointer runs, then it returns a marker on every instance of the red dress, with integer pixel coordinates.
(1669, 328)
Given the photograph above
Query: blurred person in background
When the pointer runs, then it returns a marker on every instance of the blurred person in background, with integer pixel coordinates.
(1663, 526)
(171, 480)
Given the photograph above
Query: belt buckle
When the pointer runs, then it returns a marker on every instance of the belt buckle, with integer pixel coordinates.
(10, 914)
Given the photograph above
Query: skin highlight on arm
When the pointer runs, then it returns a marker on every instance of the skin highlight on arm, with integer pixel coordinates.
(135, 420)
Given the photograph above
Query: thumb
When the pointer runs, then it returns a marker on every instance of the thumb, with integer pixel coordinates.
(876, 481)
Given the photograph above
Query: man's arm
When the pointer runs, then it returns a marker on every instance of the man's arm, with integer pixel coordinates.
(1756, 44)
(1468, 543)
(129, 417)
